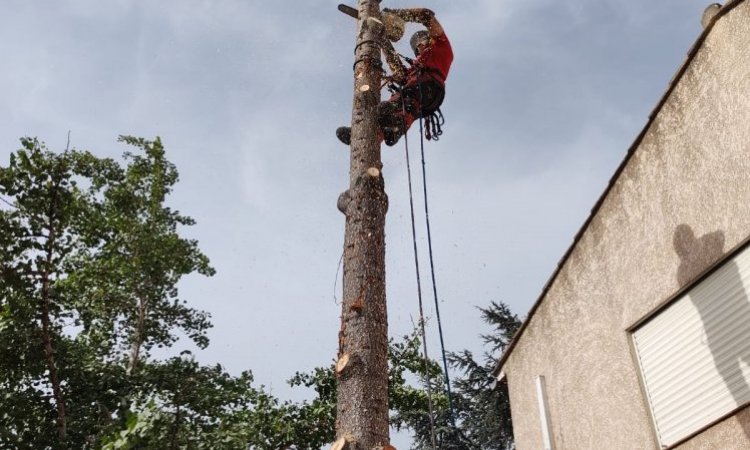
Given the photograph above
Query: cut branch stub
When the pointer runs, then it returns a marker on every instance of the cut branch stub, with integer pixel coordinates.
(342, 443)
(373, 172)
(357, 305)
(342, 363)
(343, 202)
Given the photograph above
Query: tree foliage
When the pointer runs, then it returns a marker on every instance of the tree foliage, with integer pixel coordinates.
(47, 223)
(90, 259)
(480, 415)
(482, 403)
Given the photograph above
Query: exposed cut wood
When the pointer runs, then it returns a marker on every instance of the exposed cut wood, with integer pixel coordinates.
(341, 444)
(342, 362)
(373, 172)
(364, 88)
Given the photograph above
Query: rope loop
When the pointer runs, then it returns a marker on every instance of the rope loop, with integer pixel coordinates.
(434, 125)
(365, 42)
(375, 62)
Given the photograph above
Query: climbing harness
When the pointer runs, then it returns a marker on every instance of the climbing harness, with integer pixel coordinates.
(431, 92)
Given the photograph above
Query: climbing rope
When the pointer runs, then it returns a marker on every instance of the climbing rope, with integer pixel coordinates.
(451, 415)
(434, 122)
(336, 278)
(419, 282)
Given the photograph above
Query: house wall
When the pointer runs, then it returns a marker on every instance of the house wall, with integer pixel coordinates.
(724, 435)
(691, 167)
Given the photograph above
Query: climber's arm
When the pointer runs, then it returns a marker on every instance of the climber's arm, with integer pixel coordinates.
(398, 69)
(419, 15)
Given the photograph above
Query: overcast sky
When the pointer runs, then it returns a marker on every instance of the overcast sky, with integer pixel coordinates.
(543, 100)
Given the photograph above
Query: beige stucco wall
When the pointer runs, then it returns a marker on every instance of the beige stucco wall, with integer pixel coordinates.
(724, 436)
(692, 167)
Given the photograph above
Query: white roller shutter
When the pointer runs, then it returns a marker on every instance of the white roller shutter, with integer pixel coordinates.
(695, 354)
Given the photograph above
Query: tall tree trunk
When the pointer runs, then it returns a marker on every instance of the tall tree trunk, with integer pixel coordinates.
(137, 342)
(49, 355)
(362, 368)
(175, 432)
(48, 348)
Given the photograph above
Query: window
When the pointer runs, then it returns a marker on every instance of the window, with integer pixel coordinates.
(694, 355)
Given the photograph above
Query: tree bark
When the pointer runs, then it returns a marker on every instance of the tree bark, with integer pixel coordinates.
(175, 429)
(49, 356)
(137, 342)
(362, 406)
(48, 348)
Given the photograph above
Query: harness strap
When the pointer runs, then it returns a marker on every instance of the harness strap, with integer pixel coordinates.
(431, 113)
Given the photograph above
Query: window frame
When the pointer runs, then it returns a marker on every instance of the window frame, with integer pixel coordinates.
(648, 317)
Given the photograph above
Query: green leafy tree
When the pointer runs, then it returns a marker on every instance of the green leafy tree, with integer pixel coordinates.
(43, 225)
(184, 405)
(90, 258)
(132, 274)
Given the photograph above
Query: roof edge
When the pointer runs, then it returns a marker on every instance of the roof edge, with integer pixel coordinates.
(728, 6)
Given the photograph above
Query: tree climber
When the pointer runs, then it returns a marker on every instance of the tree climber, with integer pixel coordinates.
(422, 85)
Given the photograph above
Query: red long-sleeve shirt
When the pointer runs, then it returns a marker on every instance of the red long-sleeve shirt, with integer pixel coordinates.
(438, 56)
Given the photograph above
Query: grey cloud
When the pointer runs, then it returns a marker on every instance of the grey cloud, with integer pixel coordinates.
(543, 100)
